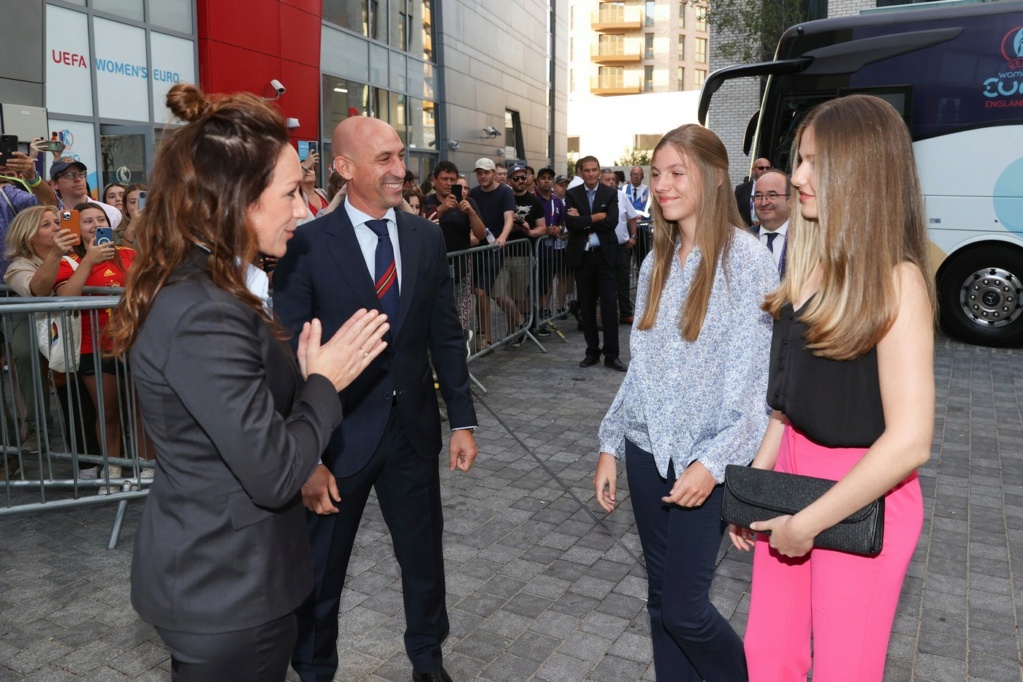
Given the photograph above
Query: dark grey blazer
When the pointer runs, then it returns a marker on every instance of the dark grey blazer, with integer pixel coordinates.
(222, 544)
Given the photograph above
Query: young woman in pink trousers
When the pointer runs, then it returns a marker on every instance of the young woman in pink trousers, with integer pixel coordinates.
(852, 387)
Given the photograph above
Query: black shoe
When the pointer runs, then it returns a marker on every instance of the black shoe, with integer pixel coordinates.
(615, 364)
(544, 330)
(590, 361)
(438, 675)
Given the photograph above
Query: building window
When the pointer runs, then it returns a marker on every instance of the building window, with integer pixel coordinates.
(681, 47)
(513, 133)
(571, 80)
(681, 78)
(427, 19)
(681, 15)
(573, 145)
(650, 4)
(648, 52)
(609, 77)
(698, 77)
(701, 20)
(646, 141)
(571, 48)
(700, 52)
(648, 78)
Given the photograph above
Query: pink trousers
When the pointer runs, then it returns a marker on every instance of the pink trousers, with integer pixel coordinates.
(845, 602)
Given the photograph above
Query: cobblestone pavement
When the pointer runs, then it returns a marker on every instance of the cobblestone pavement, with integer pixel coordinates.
(542, 585)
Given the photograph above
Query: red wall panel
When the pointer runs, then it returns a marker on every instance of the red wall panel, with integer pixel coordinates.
(243, 44)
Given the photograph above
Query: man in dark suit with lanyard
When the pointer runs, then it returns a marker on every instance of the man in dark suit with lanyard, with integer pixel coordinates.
(591, 217)
(367, 255)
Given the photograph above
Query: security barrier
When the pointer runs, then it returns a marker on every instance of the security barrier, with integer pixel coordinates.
(494, 293)
(76, 438)
(66, 439)
(554, 285)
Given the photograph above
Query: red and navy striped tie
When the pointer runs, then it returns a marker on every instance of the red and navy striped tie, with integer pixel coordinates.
(386, 270)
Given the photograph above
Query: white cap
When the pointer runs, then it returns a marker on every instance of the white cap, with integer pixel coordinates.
(485, 164)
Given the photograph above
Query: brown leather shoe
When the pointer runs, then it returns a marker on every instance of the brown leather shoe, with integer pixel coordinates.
(625, 319)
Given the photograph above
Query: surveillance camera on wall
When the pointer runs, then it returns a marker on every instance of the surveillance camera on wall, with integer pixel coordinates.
(278, 87)
(491, 131)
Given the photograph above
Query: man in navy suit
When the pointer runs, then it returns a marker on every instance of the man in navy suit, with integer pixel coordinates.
(368, 255)
(591, 215)
(772, 204)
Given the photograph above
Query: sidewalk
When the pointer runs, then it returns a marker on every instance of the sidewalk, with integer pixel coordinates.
(541, 583)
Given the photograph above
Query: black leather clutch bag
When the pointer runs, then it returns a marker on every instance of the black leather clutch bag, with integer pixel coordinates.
(758, 495)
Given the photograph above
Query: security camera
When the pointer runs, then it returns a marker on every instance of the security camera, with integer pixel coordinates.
(278, 86)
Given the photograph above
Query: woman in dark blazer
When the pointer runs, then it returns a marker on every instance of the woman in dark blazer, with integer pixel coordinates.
(222, 557)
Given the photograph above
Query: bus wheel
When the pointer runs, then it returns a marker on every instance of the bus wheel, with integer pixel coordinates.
(980, 296)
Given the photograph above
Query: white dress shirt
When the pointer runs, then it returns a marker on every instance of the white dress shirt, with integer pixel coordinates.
(368, 238)
(626, 212)
(779, 242)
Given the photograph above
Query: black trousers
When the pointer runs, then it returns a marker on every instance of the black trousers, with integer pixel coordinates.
(408, 490)
(258, 654)
(692, 641)
(596, 277)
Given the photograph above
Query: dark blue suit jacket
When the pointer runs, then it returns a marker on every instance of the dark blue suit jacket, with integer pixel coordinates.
(324, 275)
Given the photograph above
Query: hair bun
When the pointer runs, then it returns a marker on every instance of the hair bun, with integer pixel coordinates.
(187, 102)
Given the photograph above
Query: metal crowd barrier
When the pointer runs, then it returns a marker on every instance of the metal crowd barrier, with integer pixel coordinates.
(495, 294)
(504, 295)
(59, 448)
(554, 285)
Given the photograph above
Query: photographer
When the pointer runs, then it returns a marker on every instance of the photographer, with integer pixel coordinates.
(459, 220)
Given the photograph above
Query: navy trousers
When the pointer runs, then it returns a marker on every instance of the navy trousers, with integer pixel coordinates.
(692, 641)
(408, 489)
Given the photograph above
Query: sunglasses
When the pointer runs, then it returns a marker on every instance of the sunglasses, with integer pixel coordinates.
(517, 178)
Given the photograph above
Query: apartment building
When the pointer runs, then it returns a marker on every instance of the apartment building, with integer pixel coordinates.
(639, 62)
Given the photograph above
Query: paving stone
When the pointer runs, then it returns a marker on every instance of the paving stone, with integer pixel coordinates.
(541, 584)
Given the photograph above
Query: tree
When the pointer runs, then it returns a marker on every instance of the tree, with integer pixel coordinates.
(748, 30)
(635, 157)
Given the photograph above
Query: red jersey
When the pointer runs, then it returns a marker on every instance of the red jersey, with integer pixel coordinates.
(106, 274)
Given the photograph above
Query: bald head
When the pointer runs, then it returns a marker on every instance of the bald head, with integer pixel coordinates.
(371, 159)
(760, 167)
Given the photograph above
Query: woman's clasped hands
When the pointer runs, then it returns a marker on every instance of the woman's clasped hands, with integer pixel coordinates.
(351, 350)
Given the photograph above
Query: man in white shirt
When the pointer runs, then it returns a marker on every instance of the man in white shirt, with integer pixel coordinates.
(626, 234)
(636, 192)
(771, 202)
(67, 177)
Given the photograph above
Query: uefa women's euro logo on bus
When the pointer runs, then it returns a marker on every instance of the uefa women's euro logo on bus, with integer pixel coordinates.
(1008, 82)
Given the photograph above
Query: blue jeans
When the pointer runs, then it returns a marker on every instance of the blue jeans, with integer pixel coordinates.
(692, 641)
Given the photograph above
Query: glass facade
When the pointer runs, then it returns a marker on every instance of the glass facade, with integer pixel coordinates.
(109, 66)
(377, 61)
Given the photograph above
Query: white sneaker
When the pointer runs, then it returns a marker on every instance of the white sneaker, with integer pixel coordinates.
(111, 471)
(147, 473)
(89, 474)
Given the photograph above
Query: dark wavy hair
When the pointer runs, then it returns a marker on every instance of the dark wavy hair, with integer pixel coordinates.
(207, 176)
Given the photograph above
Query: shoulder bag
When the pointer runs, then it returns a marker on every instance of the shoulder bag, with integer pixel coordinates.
(60, 336)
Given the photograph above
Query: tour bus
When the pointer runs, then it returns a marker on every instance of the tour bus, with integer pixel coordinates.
(955, 73)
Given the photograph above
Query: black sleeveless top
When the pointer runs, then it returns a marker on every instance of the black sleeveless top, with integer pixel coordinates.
(835, 403)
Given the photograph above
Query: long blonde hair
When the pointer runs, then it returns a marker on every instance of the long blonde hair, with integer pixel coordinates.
(717, 216)
(870, 218)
